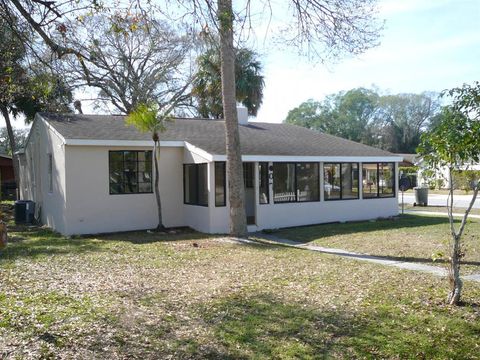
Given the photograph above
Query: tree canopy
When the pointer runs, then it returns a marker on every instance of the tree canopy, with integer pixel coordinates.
(207, 87)
(391, 122)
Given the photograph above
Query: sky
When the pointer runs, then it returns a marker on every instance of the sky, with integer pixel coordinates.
(426, 45)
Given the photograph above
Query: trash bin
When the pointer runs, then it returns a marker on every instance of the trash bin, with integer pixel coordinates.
(24, 211)
(421, 196)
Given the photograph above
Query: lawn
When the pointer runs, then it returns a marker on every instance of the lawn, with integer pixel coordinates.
(187, 295)
(423, 239)
(442, 209)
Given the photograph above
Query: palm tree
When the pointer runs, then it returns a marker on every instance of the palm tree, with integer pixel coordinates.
(148, 118)
(207, 86)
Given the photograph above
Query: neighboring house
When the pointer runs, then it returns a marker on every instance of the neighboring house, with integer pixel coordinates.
(440, 175)
(93, 174)
(7, 177)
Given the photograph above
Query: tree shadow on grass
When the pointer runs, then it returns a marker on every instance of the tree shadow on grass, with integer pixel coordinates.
(305, 234)
(150, 236)
(35, 242)
(263, 326)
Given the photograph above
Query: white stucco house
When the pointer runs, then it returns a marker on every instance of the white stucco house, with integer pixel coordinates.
(93, 174)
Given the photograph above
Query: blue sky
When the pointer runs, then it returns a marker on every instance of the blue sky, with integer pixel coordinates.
(426, 45)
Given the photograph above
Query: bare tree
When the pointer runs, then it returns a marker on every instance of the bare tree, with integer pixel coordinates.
(133, 59)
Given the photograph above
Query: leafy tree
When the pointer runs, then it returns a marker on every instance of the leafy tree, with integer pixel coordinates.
(25, 88)
(20, 136)
(149, 118)
(391, 122)
(454, 143)
(401, 119)
(346, 114)
(249, 82)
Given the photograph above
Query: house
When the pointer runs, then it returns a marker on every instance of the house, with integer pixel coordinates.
(93, 174)
(7, 177)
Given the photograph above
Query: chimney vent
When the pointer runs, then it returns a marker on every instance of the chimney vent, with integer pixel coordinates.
(242, 114)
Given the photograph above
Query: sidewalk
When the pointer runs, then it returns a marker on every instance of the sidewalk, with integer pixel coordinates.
(434, 270)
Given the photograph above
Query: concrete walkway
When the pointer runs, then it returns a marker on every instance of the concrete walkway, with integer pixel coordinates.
(434, 270)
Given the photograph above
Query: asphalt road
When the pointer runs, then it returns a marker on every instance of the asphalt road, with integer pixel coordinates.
(461, 201)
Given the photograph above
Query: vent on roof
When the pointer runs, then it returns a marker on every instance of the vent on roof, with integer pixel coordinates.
(242, 114)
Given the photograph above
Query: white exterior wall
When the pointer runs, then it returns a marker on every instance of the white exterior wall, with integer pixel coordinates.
(271, 216)
(90, 207)
(50, 205)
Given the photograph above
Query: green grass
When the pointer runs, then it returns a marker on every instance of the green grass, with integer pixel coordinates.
(412, 238)
(188, 295)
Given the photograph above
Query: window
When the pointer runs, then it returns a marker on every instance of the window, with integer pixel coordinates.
(248, 175)
(130, 172)
(295, 182)
(263, 183)
(378, 180)
(195, 184)
(220, 184)
(340, 181)
(50, 173)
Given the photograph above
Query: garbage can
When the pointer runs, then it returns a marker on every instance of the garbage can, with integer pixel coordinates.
(24, 211)
(421, 196)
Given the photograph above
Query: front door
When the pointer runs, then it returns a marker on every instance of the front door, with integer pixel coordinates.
(249, 181)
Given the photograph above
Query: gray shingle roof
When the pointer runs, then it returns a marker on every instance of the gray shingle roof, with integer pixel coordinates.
(209, 135)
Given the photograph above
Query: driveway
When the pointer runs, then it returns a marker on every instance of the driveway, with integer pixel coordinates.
(461, 201)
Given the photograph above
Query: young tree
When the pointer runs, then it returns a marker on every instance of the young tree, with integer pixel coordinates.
(207, 86)
(454, 143)
(149, 118)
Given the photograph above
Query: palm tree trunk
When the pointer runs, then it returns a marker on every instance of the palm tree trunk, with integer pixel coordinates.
(236, 189)
(11, 139)
(157, 189)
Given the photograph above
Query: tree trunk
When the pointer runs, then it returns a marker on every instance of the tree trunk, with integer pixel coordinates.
(236, 189)
(11, 139)
(454, 274)
(157, 190)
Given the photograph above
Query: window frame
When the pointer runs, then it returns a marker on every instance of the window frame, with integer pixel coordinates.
(196, 167)
(224, 183)
(341, 181)
(267, 179)
(136, 163)
(394, 182)
(295, 182)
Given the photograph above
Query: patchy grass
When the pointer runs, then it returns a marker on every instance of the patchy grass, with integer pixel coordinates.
(187, 295)
(411, 238)
(442, 209)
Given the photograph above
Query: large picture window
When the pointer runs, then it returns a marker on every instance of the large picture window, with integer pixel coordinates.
(130, 172)
(378, 180)
(340, 181)
(295, 182)
(220, 183)
(195, 184)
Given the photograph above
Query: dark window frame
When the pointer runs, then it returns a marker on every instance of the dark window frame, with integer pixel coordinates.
(295, 182)
(341, 181)
(267, 165)
(224, 183)
(394, 182)
(136, 162)
(195, 166)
